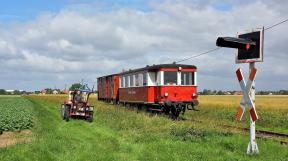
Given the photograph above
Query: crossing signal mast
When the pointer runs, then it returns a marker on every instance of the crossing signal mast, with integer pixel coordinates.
(250, 50)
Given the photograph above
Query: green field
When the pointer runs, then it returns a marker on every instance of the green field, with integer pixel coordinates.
(16, 113)
(123, 134)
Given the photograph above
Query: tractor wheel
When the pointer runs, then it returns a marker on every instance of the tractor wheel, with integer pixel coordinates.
(62, 112)
(90, 118)
(66, 113)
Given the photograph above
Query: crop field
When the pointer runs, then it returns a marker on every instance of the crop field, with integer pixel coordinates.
(118, 133)
(15, 113)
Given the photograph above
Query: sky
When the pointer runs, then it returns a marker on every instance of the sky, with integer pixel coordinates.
(52, 44)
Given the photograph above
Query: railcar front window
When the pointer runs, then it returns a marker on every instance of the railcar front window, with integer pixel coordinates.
(170, 78)
(187, 78)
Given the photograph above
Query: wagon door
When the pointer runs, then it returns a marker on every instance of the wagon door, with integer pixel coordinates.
(151, 83)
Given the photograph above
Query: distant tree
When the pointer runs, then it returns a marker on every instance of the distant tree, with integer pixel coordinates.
(220, 93)
(2, 92)
(205, 92)
(283, 92)
(16, 92)
(37, 92)
(76, 86)
(49, 91)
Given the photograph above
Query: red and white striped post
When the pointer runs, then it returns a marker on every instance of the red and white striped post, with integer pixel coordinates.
(252, 145)
(249, 99)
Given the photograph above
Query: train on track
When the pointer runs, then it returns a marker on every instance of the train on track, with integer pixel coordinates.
(167, 88)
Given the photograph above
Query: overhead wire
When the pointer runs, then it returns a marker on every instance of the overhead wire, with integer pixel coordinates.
(272, 26)
(195, 56)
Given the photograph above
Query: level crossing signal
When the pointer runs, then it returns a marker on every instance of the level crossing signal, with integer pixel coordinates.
(249, 45)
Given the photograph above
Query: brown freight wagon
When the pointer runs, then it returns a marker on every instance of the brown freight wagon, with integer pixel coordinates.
(108, 88)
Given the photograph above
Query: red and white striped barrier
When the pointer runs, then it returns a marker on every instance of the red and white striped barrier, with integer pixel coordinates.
(246, 99)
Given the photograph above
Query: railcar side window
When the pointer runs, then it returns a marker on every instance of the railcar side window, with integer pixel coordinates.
(131, 80)
(122, 82)
(126, 81)
(187, 78)
(137, 80)
(144, 79)
(140, 75)
(170, 78)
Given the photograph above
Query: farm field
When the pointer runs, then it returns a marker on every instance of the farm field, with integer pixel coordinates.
(16, 113)
(123, 134)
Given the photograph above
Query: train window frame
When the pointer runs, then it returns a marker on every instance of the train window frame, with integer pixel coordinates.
(193, 78)
(120, 82)
(173, 82)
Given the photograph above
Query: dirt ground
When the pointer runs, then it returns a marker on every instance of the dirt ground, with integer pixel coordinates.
(12, 138)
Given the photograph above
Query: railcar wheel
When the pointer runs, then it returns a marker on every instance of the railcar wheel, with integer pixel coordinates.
(166, 110)
(183, 110)
(175, 111)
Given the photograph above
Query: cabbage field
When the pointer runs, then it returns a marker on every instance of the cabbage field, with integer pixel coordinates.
(15, 114)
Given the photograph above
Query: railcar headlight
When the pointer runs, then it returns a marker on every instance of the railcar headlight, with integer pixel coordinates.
(194, 94)
(166, 94)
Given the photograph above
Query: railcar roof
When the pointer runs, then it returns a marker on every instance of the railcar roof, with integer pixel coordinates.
(158, 66)
(107, 76)
(154, 67)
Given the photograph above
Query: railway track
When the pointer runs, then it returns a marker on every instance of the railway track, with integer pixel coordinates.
(269, 134)
(265, 134)
(281, 137)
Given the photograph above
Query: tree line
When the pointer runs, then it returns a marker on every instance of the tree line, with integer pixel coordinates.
(220, 92)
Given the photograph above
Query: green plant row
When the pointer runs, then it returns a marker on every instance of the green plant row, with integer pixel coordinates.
(15, 114)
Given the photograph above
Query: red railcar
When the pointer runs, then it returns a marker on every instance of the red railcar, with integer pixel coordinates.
(165, 87)
(108, 88)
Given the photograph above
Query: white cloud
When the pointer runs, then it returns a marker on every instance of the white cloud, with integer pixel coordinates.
(90, 44)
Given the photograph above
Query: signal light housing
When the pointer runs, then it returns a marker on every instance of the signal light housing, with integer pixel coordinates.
(256, 53)
(232, 42)
(249, 45)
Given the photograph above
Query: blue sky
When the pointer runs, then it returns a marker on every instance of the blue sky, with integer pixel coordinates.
(28, 9)
(22, 10)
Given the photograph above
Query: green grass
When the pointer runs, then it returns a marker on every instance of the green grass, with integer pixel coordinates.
(121, 134)
(15, 113)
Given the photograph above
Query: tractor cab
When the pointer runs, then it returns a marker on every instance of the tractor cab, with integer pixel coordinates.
(79, 96)
(77, 105)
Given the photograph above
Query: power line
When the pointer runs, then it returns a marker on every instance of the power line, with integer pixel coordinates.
(270, 27)
(212, 50)
(195, 56)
